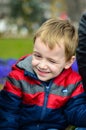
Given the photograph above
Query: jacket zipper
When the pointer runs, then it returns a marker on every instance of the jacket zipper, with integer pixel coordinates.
(47, 90)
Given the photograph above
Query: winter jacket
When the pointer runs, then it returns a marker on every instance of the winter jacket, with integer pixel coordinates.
(26, 103)
(81, 49)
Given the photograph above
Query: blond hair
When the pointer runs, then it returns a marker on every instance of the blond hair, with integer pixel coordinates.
(53, 30)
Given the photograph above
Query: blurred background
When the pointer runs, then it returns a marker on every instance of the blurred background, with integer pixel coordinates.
(19, 19)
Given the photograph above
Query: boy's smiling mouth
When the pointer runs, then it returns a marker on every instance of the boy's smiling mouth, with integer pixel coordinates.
(42, 72)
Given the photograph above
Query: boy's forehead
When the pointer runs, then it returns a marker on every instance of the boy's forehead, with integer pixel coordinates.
(42, 48)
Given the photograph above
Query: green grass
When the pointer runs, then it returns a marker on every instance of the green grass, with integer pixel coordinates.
(15, 48)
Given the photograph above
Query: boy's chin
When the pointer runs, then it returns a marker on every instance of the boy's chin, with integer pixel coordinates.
(44, 79)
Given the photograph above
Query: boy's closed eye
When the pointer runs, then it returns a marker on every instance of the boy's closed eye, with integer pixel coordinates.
(52, 61)
(37, 55)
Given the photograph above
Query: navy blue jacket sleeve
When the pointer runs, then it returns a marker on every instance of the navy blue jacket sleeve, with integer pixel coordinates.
(75, 111)
(81, 49)
(9, 111)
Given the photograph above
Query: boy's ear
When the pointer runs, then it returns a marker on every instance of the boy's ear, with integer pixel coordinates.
(70, 62)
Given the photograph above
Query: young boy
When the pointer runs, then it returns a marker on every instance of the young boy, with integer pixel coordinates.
(42, 92)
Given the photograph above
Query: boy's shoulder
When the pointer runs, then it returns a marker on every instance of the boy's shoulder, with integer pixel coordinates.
(16, 67)
(75, 74)
(74, 77)
(69, 76)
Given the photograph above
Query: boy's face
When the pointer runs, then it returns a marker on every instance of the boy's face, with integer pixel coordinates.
(48, 63)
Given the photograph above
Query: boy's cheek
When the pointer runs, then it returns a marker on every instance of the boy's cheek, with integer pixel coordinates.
(34, 62)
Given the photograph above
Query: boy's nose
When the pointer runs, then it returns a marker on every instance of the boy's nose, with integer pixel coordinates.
(43, 65)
